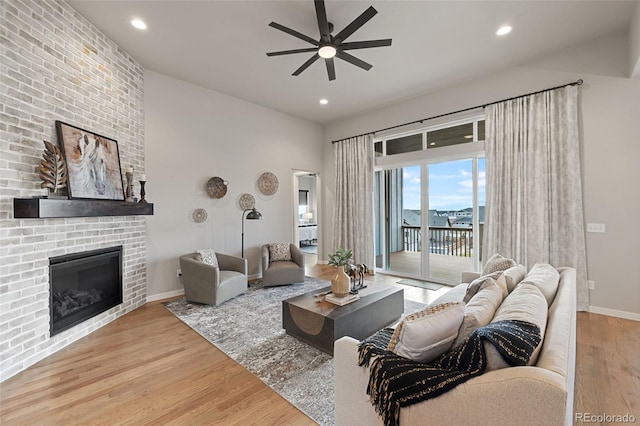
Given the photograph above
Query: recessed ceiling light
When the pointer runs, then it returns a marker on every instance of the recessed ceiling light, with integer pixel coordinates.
(468, 136)
(432, 144)
(323, 101)
(504, 30)
(139, 24)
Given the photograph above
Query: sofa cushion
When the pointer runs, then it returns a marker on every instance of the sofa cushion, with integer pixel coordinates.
(207, 256)
(479, 283)
(514, 275)
(279, 252)
(497, 262)
(546, 278)
(456, 294)
(427, 334)
(479, 311)
(525, 303)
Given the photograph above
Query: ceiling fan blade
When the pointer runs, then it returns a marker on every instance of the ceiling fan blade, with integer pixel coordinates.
(323, 23)
(306, 64)
(357, 23)
(294, 33)
(331, 69)
(353, 60)
(288, 52)
(364, 44)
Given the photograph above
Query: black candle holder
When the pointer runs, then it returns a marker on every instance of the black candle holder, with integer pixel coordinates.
(142, 192)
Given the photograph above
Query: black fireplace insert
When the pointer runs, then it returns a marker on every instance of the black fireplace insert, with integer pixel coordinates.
(83, 285)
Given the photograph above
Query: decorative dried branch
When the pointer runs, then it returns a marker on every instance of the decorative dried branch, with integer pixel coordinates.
(53, 169)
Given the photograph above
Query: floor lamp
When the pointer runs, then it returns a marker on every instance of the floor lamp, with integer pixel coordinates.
(253, 215)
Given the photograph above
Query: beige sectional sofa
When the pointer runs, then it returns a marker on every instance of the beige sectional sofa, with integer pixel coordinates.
(538, 395)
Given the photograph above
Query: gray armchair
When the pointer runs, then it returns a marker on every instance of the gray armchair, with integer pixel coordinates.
(207, 284)
(284, 271)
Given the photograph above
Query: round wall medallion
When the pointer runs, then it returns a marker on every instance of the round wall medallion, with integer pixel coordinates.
(247, 201)
(199, 215)
(268, 183)
(217, 187)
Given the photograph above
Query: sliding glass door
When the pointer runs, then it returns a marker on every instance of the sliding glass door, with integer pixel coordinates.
(429, 219)
(399, 220)
(456, 212)
(429, 193)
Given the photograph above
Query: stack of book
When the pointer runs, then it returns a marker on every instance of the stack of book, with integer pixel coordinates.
(341, 301)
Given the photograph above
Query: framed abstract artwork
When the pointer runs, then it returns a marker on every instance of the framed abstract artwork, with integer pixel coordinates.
(93, 163)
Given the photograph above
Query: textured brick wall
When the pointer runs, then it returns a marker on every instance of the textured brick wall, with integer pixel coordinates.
(54, 65)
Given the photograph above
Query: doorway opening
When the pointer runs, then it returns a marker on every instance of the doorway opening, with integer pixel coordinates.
(306, 211)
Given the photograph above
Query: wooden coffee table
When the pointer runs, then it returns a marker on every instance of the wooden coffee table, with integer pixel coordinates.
(320, 323)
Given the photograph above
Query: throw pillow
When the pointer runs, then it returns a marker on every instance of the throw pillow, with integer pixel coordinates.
(207, 256)
(479, 283)
(479, 311)
(427, 334)
(525, 303)
(279, 252)
(546, 278)
(497, 263)
(456, 294)
(514, 275)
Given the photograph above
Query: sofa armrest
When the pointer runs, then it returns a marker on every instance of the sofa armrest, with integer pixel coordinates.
(232, 263)
(296, 255)
(265, 258)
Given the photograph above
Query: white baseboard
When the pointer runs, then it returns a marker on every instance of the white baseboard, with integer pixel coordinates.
(615, 313)
(168, 294)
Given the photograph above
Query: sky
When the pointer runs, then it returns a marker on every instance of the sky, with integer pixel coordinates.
(450, 185)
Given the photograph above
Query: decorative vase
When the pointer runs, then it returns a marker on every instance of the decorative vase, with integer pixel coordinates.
(340, 284)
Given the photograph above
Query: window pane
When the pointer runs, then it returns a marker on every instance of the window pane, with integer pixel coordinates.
(377, 148)
(481, 130)
(450, 136)
(405, 144)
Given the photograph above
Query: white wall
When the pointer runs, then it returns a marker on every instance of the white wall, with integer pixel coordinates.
(193, 134)
(611, 149)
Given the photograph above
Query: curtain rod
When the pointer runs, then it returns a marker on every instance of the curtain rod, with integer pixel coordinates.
(575, 83)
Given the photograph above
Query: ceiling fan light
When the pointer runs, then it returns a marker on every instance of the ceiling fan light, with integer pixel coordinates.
(327, 52)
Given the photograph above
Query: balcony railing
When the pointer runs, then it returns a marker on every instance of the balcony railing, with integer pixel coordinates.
(442, 240)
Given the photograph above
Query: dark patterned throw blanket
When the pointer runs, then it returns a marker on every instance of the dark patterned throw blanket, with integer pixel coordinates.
(396, 382)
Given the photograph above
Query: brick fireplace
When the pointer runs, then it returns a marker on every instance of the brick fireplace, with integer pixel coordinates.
(83, 285)
(57, 66)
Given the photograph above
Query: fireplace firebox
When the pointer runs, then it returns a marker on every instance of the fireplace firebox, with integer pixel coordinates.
(83, 285)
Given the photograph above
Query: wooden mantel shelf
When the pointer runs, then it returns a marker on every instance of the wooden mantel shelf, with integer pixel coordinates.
(43, 208)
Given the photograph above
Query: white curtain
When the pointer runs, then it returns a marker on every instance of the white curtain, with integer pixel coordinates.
(534, 194)
(353, 201)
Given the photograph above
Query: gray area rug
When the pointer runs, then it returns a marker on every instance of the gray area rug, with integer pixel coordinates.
(422, 284)
(249, 329)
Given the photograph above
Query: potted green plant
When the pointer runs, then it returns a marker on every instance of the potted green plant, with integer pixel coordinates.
(340, 284)
(341, 257)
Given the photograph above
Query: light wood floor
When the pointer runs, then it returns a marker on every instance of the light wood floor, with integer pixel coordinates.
(147, 367)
